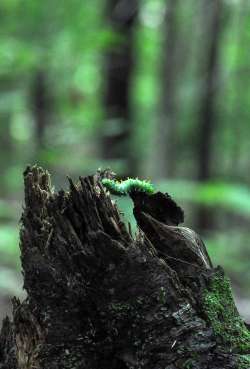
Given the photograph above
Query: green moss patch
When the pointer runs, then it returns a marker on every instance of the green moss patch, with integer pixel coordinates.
(244, 362)
(220, 309)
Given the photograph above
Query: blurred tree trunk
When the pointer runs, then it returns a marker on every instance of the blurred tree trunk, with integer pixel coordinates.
(212, 22)
(6, 146)
(7, 85)
(241, 83)
(166, 133)
(121, 16)
(41, 106)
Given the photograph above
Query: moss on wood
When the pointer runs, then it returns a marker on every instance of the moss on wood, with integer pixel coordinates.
(220, 309)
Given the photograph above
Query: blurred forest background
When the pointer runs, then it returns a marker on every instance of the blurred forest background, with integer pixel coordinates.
(158, 89)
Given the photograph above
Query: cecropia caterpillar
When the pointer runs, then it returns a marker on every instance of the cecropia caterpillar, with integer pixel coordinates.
(122, 188)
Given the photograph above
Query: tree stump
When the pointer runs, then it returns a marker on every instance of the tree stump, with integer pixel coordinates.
(99, 298)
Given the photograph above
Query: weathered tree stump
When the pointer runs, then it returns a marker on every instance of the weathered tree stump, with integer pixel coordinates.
(98, 298)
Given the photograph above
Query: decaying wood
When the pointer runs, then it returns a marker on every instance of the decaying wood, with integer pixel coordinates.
(98, 298)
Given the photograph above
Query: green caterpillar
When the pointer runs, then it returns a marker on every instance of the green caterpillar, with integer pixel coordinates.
(122, 188)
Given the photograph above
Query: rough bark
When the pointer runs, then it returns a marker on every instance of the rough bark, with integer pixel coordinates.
(99, 298)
